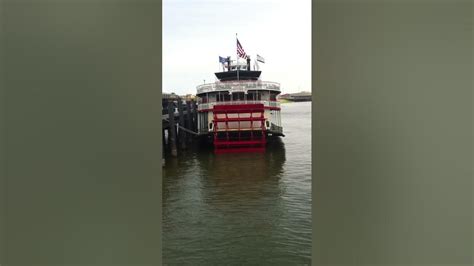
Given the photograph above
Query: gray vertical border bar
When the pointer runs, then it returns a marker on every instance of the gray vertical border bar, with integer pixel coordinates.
(3, 170)
(80, 91)
(159, 73)
(392, 132)
(314, 92)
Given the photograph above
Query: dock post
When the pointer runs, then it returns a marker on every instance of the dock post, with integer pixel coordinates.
(181, 133)
(189, 120)
(163, 137)
(163, 154)
(163, 146)
(172, 129)
(195, 116)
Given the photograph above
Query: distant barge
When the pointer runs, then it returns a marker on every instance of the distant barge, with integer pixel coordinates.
(239, 112)
(296, 97)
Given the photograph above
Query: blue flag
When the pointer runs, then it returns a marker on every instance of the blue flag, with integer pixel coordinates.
(222, 59)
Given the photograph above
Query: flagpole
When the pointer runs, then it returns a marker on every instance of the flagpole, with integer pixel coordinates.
(237, 56)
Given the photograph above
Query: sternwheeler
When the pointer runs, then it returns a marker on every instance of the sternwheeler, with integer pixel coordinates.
(239, 112)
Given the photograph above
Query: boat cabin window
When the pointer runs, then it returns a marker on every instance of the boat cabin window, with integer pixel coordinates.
(212, 97)
(223, 96)
(273, 96)
(253, 96)
(250, 96)
(238, 96)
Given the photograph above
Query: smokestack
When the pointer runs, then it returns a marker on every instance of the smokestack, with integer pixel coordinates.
(248, 63)
(228, 63)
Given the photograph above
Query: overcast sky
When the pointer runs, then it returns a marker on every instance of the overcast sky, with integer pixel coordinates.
(197, 32)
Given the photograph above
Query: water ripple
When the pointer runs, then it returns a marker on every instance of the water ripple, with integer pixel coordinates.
(242, 208)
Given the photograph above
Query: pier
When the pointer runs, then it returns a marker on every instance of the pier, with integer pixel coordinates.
(179, 120)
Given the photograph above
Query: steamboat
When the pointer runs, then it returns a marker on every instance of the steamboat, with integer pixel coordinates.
(239, 112)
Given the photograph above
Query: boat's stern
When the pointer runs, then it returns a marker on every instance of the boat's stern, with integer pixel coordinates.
(239, 128)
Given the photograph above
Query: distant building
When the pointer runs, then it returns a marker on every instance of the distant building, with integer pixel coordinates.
(297, 97)
(284, 96)
(169, 95)
(189, 97)
(172, 95)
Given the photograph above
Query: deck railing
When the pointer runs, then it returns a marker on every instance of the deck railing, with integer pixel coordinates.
(238, 86)
(205, 106)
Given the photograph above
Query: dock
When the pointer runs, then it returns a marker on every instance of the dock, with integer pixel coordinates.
(179, 120)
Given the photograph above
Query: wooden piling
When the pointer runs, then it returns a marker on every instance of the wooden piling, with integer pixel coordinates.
(172, 129)
(195, 116)
(181, 133)
(163, 146)
(163, 137)
(189, 120)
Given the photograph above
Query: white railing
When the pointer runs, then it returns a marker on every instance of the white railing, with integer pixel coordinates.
(205, 106)
(238, 86)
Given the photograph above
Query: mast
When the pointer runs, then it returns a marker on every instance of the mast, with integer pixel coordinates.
(237, 56)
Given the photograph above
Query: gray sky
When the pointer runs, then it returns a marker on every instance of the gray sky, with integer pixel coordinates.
(197, 32)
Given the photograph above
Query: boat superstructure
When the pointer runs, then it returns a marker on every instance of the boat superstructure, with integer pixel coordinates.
(239, 111)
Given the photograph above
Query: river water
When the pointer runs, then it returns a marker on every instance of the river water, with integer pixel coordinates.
(244, 208)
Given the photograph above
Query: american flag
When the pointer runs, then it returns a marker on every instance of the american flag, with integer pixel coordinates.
(240, 50)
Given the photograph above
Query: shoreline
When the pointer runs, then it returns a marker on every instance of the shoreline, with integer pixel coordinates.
(282, 101)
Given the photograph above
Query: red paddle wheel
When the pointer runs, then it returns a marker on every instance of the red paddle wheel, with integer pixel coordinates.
(239, 128)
